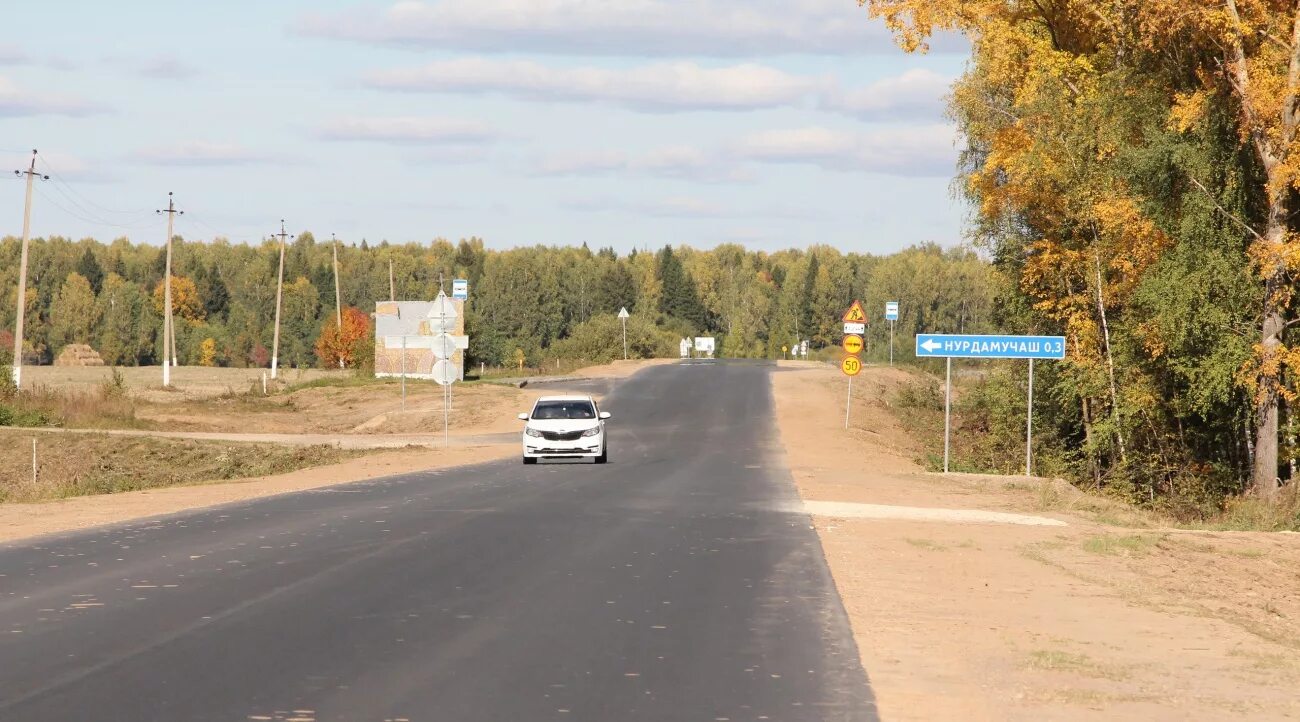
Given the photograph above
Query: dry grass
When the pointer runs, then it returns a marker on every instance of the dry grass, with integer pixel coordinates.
(84, 464)
(1055, 660)
(188, 382)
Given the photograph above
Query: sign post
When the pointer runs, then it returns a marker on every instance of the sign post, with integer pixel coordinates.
(851, 367)
(950, 346)
(891, 315)
(622, 316)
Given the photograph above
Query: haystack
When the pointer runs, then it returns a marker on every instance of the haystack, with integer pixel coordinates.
(78, 354)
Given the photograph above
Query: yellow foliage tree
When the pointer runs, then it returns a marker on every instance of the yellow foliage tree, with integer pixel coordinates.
(186, 304)
(208, 352)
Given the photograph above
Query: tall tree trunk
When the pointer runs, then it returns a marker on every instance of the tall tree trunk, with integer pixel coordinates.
(1264, 479)
(1110, 358)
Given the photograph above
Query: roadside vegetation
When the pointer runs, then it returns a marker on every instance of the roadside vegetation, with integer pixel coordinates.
(83, 464)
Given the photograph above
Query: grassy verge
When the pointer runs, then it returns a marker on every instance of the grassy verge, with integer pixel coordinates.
(84, 464)
(976, 448)
(107, 405)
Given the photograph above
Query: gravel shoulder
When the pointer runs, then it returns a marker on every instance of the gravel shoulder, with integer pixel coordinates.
(960, 616)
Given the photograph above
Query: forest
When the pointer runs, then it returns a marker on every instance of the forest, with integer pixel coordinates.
(548, 302)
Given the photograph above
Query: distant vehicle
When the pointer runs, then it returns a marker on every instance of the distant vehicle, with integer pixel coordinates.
(562, 427)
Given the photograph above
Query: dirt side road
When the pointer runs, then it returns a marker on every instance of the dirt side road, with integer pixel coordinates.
(489, 411)
(1011, 621)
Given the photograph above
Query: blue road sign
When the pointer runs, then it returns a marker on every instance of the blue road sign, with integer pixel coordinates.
(940, 345)
(460, 289)
(891, 311)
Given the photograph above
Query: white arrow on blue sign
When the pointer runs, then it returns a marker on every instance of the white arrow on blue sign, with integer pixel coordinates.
(939, 345)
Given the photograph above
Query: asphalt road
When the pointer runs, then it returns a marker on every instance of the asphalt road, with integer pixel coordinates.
(678, 582)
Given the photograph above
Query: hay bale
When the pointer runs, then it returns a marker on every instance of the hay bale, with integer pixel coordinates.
(78, 354)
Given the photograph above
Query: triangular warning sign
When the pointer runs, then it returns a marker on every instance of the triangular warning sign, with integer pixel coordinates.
(855, 314)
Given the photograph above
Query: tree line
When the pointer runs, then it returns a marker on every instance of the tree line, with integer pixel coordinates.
(1133, 167)
(546, 302)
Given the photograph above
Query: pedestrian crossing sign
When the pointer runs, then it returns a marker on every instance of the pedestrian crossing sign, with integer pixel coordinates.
(855, 314)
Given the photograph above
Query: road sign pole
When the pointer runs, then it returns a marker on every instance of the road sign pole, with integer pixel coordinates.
(446, 419)
(625, 339)
(1029, 425)
(891, 343)
(947, 416)
(848, 403)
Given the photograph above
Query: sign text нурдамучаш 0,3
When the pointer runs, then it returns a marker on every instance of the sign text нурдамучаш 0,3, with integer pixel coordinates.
(936, 345)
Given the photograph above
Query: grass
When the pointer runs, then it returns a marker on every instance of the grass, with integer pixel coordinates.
(925, 544)
(104, 406)
(1112, 545)
(1055, 660)
(81, 464)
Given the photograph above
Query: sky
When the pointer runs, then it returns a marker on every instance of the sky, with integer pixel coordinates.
(623, 123)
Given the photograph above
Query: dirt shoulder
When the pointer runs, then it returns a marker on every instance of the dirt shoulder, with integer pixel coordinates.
(1002, 621)
(478, 411)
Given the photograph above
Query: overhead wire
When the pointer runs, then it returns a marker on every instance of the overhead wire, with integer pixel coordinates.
(95, 221)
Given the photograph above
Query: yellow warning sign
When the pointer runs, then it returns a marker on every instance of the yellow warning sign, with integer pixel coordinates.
(852, 344)
(851, 366)
(855, 314)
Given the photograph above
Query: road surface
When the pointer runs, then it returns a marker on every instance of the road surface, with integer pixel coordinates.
(679, 582)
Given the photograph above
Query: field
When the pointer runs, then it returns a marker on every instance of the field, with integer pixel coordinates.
(188, 382)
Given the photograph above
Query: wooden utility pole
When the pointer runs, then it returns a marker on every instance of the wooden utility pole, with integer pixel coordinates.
(279, 292)
(392, 288)
(338, 297)
(169, 334)
(32, 175)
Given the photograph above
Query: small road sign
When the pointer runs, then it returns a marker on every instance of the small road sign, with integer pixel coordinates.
(856, 329)
(460, 289)
(442, 314)
(444, 373)
(851, 366)
(443, 345)
(938, 345)
(622, 313)
(891, 311)
(855, 314)
(852, 344)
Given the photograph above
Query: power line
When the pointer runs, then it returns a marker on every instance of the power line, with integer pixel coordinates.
(94, 221)
(59, 180)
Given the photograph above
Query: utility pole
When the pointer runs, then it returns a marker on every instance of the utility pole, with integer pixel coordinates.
(169, 330)
(279, 292)
(392, 289)
(338, 297)
(32, 175)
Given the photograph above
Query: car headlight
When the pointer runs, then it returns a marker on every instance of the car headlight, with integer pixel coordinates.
(593, 431)
(533, 432)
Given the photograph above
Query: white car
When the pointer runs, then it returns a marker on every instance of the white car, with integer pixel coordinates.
(565, 427)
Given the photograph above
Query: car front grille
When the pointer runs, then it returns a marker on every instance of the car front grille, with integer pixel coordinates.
(561, 435)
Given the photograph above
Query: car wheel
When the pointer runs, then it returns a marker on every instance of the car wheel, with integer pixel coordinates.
(530, 460)
(604, 456)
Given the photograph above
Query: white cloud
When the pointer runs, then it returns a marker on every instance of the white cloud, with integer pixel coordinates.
(917, 93)
(19, 102)
(167, 67)
(713, 28)
(680, 207)
(680, 162)
(922, 151)
(656, 87)
(202, 154)
(11, 55)
(409, 130)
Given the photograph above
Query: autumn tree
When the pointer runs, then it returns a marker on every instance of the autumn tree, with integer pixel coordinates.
(186, 303)
(335, 344)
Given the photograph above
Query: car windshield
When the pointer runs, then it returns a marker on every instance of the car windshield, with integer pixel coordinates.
(564, 410)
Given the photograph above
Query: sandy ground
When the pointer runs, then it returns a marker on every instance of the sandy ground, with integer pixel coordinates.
(189, 382)
(961, 617)
(485, 409)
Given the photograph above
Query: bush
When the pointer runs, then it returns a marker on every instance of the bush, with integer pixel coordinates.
(600, 340)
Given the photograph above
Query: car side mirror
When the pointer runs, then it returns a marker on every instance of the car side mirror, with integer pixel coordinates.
(605, 415)
(523, 417)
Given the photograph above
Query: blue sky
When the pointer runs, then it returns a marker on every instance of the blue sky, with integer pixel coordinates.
(774, 123)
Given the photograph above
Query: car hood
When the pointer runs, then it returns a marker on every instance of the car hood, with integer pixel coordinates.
(563, 424)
